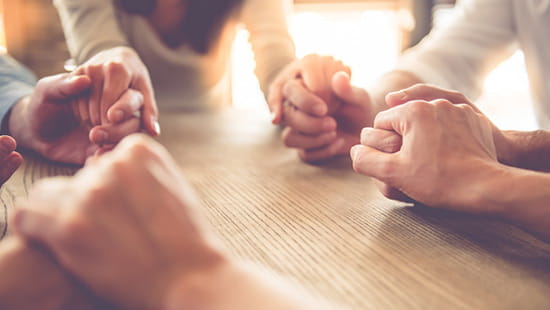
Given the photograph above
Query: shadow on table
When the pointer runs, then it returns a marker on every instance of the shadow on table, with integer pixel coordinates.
(496, 238)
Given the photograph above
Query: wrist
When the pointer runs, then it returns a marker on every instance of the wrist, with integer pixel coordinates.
(199, 287)
(509, 146)
(488, 189)
(519, 196)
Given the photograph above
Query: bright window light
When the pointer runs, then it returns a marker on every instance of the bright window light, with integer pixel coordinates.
(368, 41)
(370, 46)
(2, 32)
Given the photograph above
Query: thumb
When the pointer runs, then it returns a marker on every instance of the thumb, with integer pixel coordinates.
(59, 88)
(374, 163)
(341, 85)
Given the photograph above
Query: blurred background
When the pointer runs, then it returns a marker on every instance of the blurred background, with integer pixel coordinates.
(368, 35)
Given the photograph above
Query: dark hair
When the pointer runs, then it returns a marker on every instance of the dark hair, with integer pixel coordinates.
(202, 22)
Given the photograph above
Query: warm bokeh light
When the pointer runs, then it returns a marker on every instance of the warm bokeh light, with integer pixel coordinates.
(370, 46)
(368, 41)
(2, 32)
(506, 99)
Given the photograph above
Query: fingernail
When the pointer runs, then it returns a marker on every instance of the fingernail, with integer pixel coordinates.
(156, 127)
(354, 152)
(320, 110)
(365, 131)
(118, 116)
(401, 95)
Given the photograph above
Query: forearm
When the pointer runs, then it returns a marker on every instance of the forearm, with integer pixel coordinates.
(90, 26)
(269, 36)
(32, 280)
(233, 286)
(520, 196)
(527, 150)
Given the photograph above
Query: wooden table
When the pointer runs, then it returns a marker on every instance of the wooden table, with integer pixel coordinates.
(329, 230)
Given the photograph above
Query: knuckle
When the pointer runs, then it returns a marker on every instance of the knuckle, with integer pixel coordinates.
(442, 104)
(117, 167)
(420, 87)
(466, 108)
(138, 146)
(95, 194)
(74, 228)
(115, 68)
(458, 96)
(419, 108)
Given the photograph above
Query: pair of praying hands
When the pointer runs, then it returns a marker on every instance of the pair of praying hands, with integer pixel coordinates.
(70, 117)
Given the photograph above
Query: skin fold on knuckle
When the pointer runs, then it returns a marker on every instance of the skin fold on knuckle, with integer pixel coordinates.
(419, 110)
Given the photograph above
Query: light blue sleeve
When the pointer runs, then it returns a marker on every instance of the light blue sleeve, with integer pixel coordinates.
(16, 82)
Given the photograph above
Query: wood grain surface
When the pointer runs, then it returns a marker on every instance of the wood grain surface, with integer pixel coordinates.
(329, 230)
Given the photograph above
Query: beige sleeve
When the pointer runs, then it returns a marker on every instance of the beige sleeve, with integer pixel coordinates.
(461, 54)
(90, 26)
(266, 20)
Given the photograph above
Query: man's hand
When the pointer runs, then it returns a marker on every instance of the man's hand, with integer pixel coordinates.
(506, 151)
(113, 72)
(390, 142)
(447, 155)
(127, 225)
(46, 121)
(10, 160)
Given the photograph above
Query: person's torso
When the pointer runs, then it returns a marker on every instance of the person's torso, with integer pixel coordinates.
(532, 22)
(182, 78)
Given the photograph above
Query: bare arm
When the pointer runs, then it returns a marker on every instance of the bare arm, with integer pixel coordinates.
(446, 154)
(139, 252)
(271, 42)
(520, 196)
(32, 280)
(216, 289)
(528, 150)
